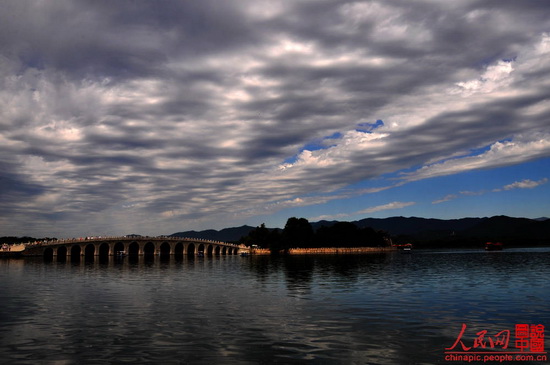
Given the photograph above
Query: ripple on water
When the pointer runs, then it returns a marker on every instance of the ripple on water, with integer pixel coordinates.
(382, 309)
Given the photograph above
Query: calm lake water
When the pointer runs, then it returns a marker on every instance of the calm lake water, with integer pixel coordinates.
(393, 308)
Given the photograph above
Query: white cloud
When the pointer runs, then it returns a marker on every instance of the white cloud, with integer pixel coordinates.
(325, 217)
(495, 77)
(389, 206)
(524, 184)
(351, 143)
(378, 208)
(500, 154)
(445, 199)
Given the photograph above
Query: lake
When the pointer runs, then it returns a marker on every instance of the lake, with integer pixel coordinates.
(392, 308)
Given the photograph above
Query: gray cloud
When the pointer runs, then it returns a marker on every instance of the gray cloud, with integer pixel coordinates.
(159, 115)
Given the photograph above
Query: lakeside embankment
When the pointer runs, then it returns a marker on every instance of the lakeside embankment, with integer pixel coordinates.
(339, 250)
(327, 250)
(11, 250)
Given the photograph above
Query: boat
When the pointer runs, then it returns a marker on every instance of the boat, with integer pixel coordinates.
(244, 254)
(493, 246)
(121, 254)
(406, 247)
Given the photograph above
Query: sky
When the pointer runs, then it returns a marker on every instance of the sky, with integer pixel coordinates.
(155, 117)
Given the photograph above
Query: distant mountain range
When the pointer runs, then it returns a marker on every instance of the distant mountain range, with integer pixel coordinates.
(465, 231)
(225, 235)
(424, 230)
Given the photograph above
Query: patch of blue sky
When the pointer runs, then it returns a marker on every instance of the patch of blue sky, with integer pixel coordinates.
(315, 145)
(528, 203)
(325, 142)
(467, 153)
(399, 175)
(483, 149)
(476, 193)
(369, 127)
(485, 179)
(32, 60)
(493, 59)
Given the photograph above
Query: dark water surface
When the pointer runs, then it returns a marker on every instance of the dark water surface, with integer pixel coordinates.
(380, 308)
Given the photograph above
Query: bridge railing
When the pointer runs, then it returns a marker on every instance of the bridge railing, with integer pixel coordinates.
(125, 238)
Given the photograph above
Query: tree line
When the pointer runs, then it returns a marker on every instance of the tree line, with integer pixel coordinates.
(298, 233)
(24, 239)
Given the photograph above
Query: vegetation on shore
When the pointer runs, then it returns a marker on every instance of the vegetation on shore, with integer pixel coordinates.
(25, 239)
(421, 232)
(298, 233)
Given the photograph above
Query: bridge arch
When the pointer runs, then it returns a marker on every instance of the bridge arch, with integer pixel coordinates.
(75, 251)
(118, 247)
(133, 248)
(191, 249)
(48, 254)
(165, 249)
(217, 251)
(89, 251)
(200, 249)
(178, 248)
(210, 250)
(62, 253)
(104, 249)
(149, 249)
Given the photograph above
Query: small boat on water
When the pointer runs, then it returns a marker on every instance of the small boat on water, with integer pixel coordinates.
(493, 246)
(406, 247)
(244, 254)
(121, 254)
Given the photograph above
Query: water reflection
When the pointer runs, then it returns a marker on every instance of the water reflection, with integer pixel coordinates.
(377, 308)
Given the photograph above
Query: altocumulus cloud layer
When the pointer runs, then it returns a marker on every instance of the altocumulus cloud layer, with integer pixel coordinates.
(152, 116)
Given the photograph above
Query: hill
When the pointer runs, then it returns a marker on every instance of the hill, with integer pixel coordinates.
(413, 225)
(464, 232)
(226, 235)
(426, 232)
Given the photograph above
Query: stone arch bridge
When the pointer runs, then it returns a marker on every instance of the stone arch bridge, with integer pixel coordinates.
(134, 246)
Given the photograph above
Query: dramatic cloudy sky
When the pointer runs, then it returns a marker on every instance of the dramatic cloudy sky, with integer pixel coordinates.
(154, 117)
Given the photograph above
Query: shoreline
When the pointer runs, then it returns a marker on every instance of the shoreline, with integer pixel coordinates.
(339, 250)
(326, 250)
(13, 251)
